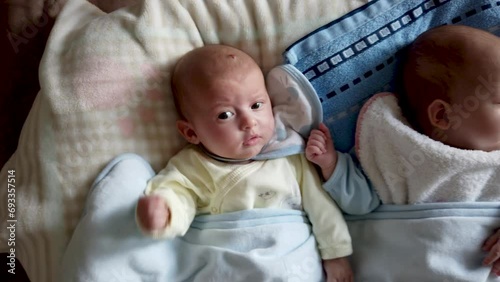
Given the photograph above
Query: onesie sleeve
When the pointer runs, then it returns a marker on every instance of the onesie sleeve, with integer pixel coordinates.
(350, 188)
(329, 226)
(180, 196)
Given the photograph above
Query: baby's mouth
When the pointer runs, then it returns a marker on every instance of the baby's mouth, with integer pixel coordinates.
(252, 140)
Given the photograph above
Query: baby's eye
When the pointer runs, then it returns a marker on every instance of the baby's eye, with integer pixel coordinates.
(257, 105)
(225, 115)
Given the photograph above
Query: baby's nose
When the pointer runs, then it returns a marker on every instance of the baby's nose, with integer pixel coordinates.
(248, 122)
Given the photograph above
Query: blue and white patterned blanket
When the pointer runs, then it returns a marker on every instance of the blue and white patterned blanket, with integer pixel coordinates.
(356, 56)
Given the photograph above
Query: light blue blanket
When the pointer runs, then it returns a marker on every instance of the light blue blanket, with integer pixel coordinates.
(427, 242)
(356, 56)
(431, 242)
(254, 245)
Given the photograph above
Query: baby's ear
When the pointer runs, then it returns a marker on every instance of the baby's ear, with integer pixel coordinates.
(437, 113)
(186, 130)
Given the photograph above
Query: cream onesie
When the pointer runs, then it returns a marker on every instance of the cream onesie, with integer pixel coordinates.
(193, 183)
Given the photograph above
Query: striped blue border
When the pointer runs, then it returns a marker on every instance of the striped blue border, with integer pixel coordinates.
(376, 37)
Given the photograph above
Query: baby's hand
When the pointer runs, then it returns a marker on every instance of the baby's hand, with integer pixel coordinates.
(320, 150)
(492, 246)
(152, 213)
(338, 270)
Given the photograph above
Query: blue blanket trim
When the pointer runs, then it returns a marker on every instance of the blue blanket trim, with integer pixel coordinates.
(431, 210)
(248, 218)
(352, 58)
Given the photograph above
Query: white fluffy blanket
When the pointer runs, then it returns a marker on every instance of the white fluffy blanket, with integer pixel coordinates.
(407, 167)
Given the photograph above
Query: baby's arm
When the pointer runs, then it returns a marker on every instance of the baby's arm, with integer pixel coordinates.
(328, 224)
(152, 213)
(165, 212)
(345, 182)
(492, 246)
(321, 151)
(169, 206)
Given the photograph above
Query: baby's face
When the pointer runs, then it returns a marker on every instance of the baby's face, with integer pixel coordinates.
(475, 115)
(233, 118)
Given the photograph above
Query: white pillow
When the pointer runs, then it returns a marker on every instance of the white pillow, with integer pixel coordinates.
(105, 91)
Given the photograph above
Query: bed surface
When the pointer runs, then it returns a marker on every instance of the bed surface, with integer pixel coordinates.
(26, 25)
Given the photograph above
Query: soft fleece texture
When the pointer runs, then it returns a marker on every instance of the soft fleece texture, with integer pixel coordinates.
(426, 242)
(296, 109)
(250, 245)
(104, 82)
(407, 167)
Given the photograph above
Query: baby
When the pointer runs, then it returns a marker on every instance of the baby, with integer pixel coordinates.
(452, 83)
(226, 114)
(451, 93)
(452, 87)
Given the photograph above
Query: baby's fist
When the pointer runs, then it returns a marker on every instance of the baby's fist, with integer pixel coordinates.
(338, 270)
(321, 151)
(152, 213)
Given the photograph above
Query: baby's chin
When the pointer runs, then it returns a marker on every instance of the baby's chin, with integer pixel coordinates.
(247, 153)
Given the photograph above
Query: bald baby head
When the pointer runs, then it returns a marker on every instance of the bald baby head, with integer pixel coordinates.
(197, 71)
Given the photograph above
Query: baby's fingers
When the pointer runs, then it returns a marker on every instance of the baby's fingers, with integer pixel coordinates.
(491, 241)
(318, 143)
(493, 255)
(324, 129)
(312, 151)
(496, 268)
(152, 212)
(317, 134)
